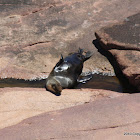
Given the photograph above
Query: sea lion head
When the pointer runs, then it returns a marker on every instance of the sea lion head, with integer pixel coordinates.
(53, 86)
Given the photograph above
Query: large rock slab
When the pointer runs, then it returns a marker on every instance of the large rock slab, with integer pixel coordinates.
(17, 104)
(122, 40)
(35, 33)
(123, 35)
(102, 119)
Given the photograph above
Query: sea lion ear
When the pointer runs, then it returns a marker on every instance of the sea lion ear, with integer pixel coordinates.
(60, 61)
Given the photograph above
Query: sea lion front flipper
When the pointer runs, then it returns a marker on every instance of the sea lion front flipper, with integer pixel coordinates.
(60, 61)
(84, 78)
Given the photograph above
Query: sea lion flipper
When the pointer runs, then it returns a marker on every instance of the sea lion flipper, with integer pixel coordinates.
(84, 79)
(80, 51)
(88, 55)
(60, 61)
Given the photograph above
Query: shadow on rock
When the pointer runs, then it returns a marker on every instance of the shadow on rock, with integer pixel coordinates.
(127, 87)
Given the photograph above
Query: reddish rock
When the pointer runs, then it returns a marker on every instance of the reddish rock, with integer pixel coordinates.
(123, 42)
(102, 119)
(129, 62)
(17, 104)
(122, 36)
(35, 33)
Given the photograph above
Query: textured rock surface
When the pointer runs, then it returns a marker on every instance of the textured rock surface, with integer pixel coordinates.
(129, 62)
(102, 119)
(123, 42)
(35, 33)
(123, 35)
(17, 104)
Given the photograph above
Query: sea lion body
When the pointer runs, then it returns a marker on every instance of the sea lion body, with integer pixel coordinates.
(66, 72)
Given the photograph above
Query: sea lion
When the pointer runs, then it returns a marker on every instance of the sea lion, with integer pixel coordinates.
(66, 71)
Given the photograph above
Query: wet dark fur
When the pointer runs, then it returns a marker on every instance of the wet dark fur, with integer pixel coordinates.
(66, 71)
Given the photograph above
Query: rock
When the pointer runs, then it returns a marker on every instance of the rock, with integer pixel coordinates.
(129, 62)
(123, 42)
(105, 118)
(35, 33)
(122, 36)
(17, 104)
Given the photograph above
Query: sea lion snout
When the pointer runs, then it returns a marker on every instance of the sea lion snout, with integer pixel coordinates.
(54, 86)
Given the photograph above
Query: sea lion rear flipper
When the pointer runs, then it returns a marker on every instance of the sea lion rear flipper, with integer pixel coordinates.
(80, 51)
(88, 55)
